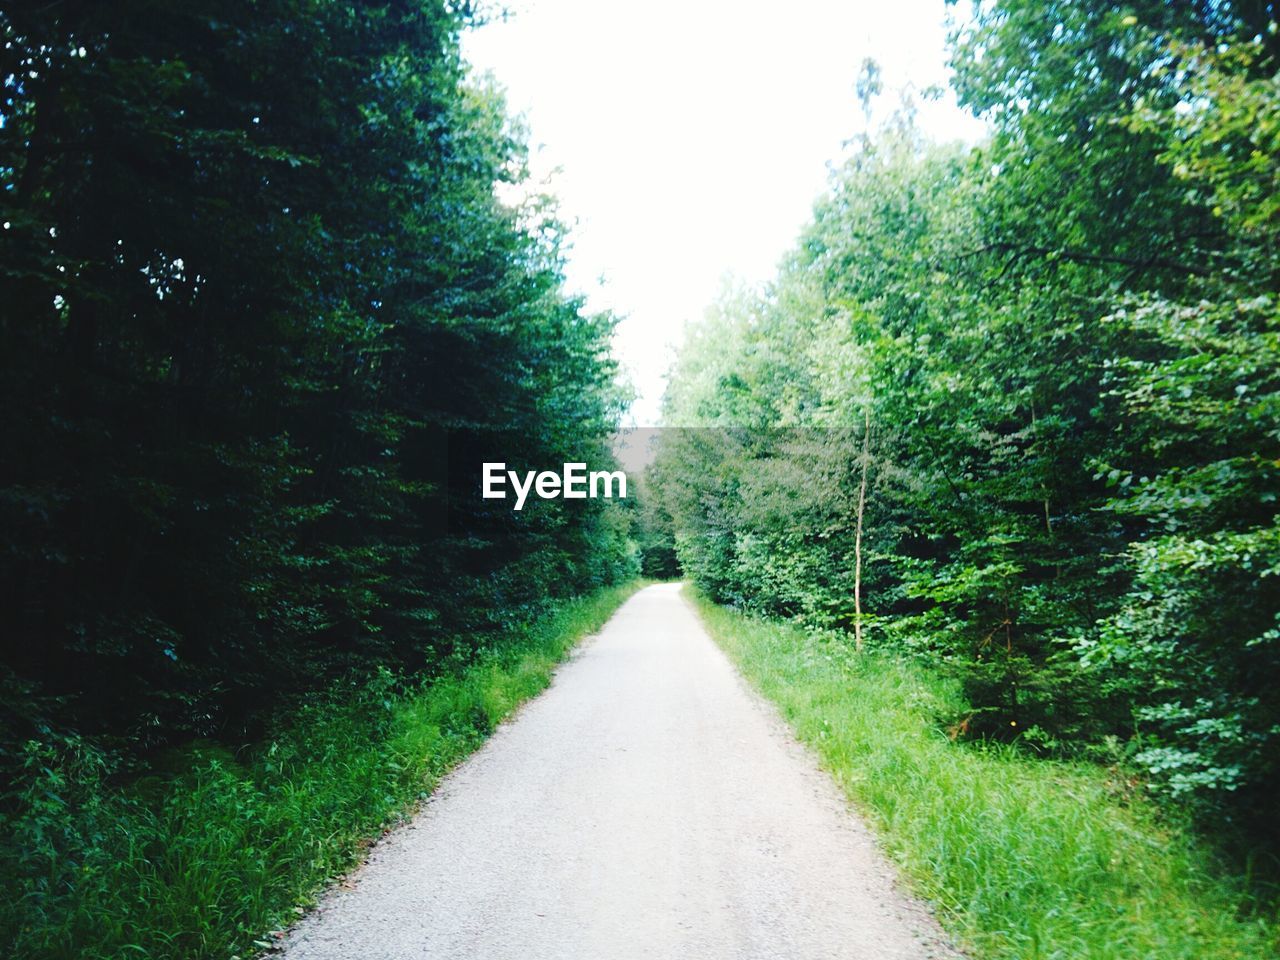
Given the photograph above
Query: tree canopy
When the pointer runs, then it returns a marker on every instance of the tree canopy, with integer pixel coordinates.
(1066, 342)
(262, 316)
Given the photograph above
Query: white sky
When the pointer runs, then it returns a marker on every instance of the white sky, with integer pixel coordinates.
(688, 140)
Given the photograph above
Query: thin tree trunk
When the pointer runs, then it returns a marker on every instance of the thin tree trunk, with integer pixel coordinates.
(1048, 522)
(857, 536)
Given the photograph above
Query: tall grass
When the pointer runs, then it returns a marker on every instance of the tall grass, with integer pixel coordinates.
(1025, 858)
(206, 858)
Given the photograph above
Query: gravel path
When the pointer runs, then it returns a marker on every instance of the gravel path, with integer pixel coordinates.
(647, 805)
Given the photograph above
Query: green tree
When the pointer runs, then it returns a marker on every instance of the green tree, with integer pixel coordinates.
(1065, 341)
(260, 309)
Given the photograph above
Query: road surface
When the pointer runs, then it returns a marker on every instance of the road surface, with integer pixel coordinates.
(648, 805)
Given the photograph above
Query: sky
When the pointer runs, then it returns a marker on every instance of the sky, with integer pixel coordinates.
(687, 141)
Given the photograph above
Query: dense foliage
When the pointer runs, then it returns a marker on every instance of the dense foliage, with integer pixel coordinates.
(262, 315)
(1062, 349)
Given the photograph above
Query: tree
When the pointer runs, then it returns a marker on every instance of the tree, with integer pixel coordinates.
(260, 305)
(1066, 338)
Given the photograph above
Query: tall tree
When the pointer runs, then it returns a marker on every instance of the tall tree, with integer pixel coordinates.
(259, 303)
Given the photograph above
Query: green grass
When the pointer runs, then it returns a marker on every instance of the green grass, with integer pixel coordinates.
(1023, 857)
(205, 860)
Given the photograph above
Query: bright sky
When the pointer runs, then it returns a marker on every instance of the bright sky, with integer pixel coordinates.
(688, 139)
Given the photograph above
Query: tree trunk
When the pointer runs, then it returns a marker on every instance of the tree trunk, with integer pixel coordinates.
(857, 536)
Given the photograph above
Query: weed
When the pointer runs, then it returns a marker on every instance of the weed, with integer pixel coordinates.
(209, 853)
(1024, 858)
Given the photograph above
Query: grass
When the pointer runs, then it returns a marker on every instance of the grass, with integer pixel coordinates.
(209, 858)
(1024, 858)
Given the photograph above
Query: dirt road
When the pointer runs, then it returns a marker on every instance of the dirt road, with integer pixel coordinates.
(647, 805)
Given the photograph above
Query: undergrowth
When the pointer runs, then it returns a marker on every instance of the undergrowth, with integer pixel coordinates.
(1024, 858)
(208, 855)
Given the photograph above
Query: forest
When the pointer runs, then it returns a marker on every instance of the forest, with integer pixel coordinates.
(276, 280)
(262, 316)
(1014, 409)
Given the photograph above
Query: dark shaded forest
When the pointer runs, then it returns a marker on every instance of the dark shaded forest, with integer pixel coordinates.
(262, 315)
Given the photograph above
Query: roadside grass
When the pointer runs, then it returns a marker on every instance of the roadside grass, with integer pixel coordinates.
(208, 858)
(1024, 858)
